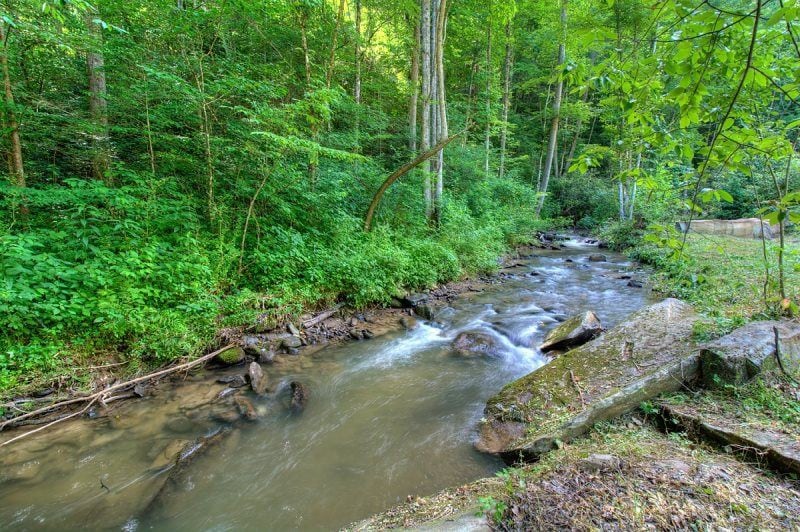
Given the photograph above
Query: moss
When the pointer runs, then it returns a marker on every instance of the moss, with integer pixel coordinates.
(231, 356)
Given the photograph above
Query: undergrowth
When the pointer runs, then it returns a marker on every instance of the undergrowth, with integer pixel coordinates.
(135, 272)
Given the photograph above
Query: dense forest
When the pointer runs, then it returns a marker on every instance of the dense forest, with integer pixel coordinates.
(175, 168)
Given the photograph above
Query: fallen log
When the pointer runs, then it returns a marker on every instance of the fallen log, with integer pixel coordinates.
(322, 317)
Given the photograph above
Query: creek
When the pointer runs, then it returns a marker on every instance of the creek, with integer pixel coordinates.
(386, 418)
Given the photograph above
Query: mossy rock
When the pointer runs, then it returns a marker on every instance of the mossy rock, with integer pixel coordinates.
(650, 353)
(231, 356)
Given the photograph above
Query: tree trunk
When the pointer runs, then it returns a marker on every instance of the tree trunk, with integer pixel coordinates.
(487, 137)
(332, 61)
(412, 107)
(304, 44)
(470, 100)
(17, 169)
(426, 99)
(551, 147)
(506, 98)
(357, 83)
(578, 128)
(441, 21)
(98, 106)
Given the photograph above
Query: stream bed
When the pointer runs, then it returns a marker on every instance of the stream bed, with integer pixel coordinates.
(386, 418)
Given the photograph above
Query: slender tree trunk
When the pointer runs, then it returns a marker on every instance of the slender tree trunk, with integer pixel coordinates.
(332, 61)
(426, 99)
(412, 107)
(150, 151)
(506, 98)
(487, 141)
(205, 131)
(304, 44)
(470, 99)
(578, 128)
(551, 147)
(17, 168)
(357, 82)
(98, 105)
(441, 21)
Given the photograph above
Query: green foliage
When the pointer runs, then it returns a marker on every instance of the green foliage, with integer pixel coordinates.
(621, 235)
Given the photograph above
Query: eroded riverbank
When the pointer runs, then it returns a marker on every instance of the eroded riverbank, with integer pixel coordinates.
(386, 418)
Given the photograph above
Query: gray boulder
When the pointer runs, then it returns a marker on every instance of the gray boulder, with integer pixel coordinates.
(575, 331)
(258, 381)
(473, 343)
(291, 342)
(750, 350)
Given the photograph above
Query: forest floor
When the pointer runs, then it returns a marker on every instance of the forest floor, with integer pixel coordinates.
(623, 475)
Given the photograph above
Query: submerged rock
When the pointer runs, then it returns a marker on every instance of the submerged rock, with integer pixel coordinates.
(299, 396)
(409, 323)
(749, 350)
(246, 408)
(258, 381)
(649, 354)
(473, 343)
(234, 381)
(575, 331)
(598, 257)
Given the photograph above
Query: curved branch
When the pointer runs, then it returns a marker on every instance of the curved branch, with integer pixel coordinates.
(400, 172)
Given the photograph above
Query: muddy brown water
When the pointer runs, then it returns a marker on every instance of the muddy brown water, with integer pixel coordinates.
(387, 418)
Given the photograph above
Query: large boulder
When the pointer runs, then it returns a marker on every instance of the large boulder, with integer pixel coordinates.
(575, 331)
(743, 227)
(649, 354)
(471, 343)
(749, 350)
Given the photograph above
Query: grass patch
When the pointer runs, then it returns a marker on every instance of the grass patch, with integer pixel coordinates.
(726, 278)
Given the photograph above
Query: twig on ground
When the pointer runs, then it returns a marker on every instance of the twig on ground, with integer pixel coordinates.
(577, 387)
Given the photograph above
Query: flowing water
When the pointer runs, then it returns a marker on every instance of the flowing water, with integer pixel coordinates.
(386, 418)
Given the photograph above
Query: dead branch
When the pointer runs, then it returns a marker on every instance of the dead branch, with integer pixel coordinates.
(107, 391)
(322, 317)
(43, 427)
(577, 387)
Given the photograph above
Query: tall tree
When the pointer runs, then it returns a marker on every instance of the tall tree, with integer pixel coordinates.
(414, 81)
(439, 36)
(553, 142)
(427, 104)
(17, 168)
(98, 105)
(487, 139)
(509, 57)
(332, 60)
